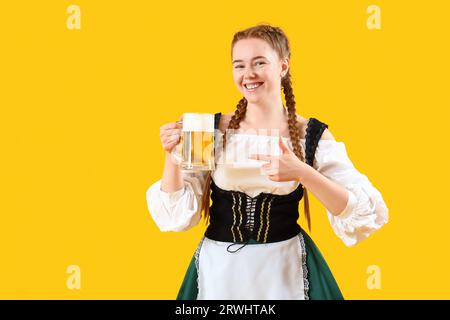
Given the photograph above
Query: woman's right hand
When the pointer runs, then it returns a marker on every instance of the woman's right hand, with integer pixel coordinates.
(170, 135)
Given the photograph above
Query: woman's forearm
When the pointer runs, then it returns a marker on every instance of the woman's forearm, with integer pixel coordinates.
(172, 179)
(332, 195)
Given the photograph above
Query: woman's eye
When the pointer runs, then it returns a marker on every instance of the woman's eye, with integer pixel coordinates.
(241, 66)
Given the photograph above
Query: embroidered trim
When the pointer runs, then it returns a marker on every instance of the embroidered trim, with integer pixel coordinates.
(304, 266)
(241, 217)
(197, 264)
(250, 210)
(261, 220)
(234, 218)
(268, 220)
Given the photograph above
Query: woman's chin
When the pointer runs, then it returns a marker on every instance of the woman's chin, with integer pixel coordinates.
(253, 98)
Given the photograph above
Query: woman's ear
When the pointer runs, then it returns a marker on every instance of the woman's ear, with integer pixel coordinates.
(284, 66)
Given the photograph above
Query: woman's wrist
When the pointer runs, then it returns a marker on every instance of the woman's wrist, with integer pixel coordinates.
(305, 174)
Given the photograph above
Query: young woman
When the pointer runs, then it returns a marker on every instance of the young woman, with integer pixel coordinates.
(256, 208)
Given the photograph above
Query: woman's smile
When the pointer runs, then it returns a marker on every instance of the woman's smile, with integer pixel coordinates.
(252, 87)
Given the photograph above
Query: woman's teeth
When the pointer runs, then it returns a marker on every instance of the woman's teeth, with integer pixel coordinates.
(252, 86)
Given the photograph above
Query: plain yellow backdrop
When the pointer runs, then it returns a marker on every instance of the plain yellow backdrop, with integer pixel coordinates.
(81, 111)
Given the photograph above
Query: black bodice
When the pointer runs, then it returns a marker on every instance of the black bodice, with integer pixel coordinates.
(237, 217)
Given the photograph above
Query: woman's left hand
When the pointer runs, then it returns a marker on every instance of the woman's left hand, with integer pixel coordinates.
(285, 167)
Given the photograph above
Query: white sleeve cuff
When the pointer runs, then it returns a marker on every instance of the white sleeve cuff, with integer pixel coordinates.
(171, 197)
(351, 203)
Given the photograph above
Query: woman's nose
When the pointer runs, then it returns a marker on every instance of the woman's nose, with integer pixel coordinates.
(249, 73)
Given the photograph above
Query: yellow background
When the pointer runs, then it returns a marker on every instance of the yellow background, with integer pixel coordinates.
(80, 118)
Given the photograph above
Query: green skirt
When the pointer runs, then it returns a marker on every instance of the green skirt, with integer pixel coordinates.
(322, 285)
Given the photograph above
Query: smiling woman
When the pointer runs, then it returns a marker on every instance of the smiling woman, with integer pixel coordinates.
(258, 210)
(264, 66)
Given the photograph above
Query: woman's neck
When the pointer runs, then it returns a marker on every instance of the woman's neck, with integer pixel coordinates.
(267, 115)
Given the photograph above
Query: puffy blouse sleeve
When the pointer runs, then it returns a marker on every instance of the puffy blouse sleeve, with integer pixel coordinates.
(179, 210)
(366, 210)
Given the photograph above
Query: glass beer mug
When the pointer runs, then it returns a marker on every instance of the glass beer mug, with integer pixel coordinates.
(196, 148)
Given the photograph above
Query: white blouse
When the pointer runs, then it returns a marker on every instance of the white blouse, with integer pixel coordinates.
(180, 210)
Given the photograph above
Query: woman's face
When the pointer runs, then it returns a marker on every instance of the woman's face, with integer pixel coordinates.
(256, 63)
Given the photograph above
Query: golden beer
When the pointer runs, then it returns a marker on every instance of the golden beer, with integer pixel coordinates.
(197, 142)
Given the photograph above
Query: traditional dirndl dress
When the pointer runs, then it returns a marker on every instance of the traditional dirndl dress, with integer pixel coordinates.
(278, 259)
(253, 247)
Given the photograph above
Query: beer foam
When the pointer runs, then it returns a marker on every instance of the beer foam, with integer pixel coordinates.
(198, 122)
